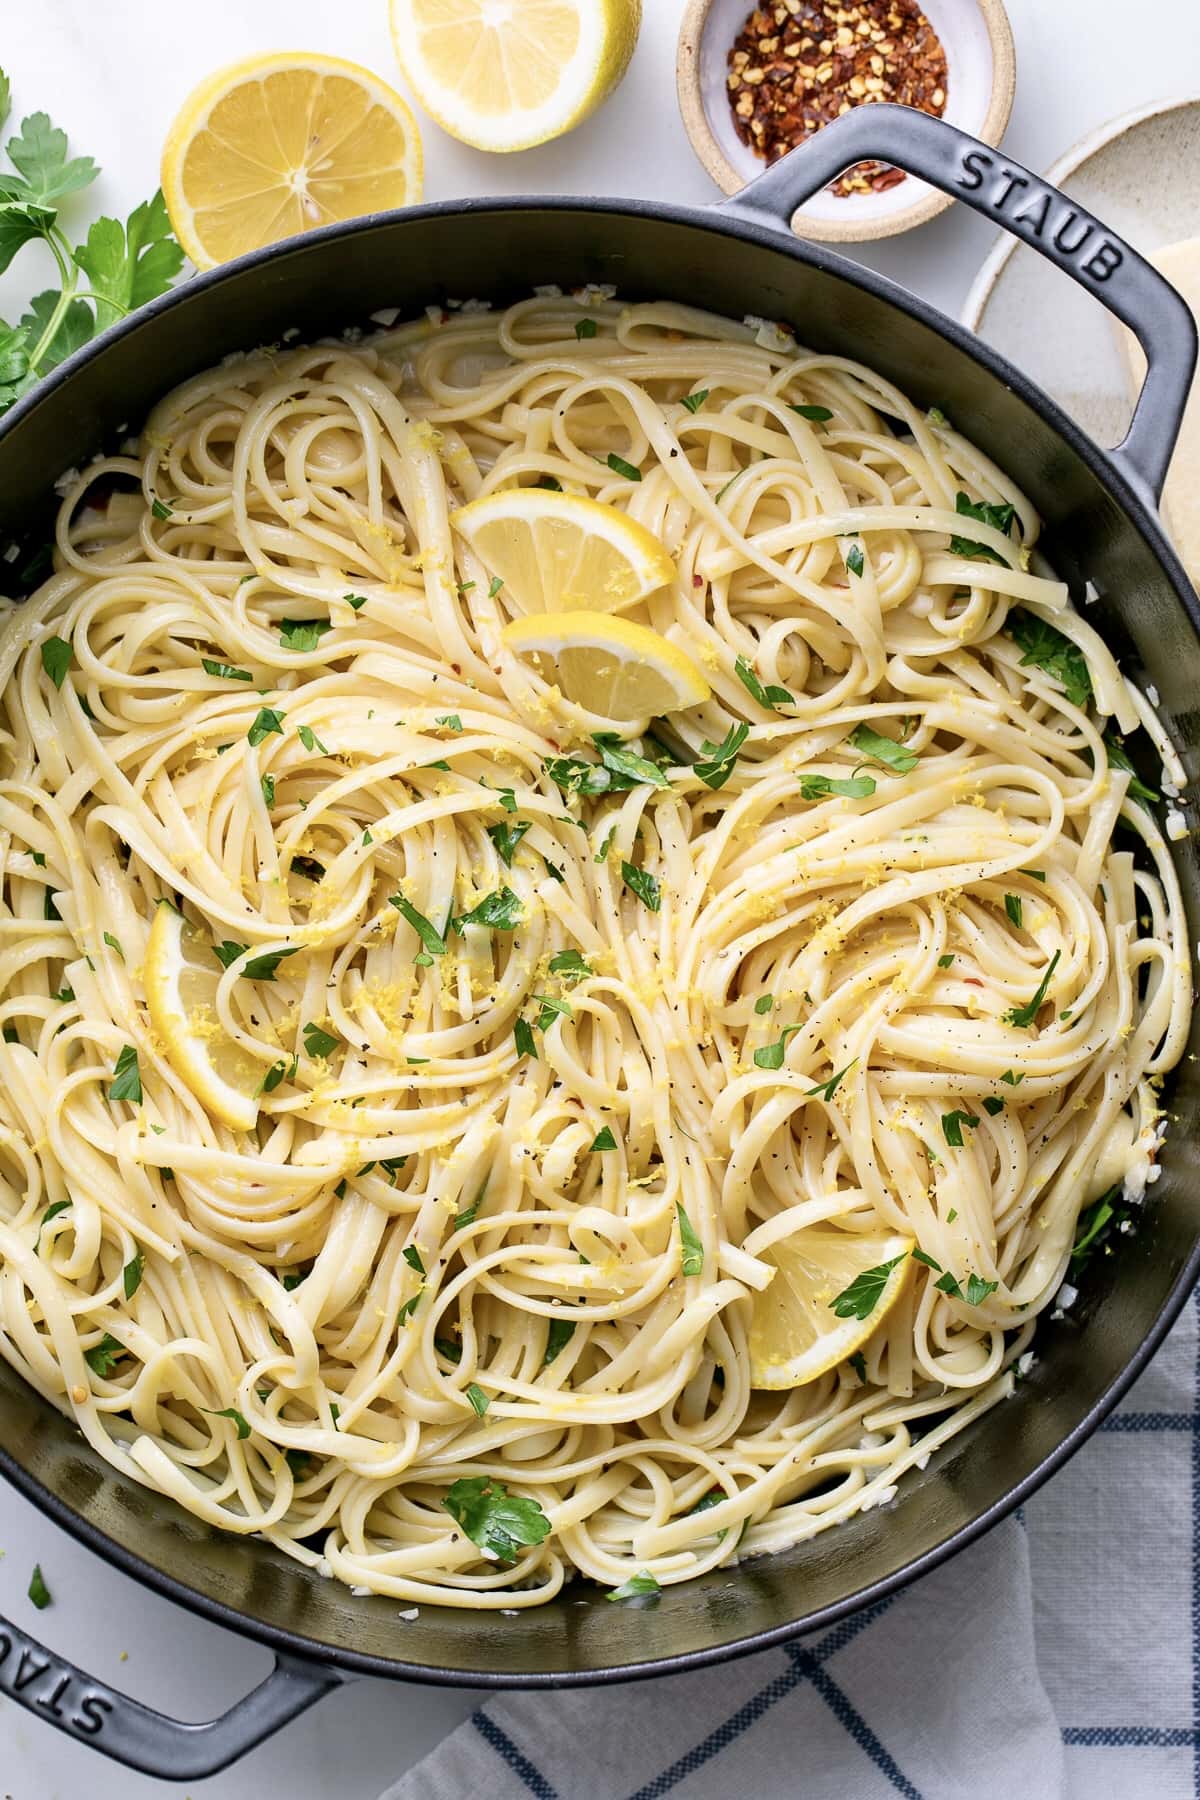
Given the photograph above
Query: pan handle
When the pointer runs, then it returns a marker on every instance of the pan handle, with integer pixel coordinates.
(1045, 219)
(55, 1690)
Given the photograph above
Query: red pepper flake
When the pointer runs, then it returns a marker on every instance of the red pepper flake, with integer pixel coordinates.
(797, 64)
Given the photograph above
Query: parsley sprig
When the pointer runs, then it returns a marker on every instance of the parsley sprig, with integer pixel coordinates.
(117, 268)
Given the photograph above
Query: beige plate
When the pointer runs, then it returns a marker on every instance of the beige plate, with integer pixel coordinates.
(1140, 175)
(980, 59)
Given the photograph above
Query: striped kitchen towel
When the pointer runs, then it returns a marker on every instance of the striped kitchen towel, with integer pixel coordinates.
(1057, 1659)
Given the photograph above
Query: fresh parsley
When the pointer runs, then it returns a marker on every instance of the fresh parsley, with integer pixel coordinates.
(764, 1003)
(231, 1412)
(430, 936)
(716, 762)
(642, 883)
(603, 1140)
(818, 414)
(56, 652)
(318, 1043)
(984, 512)
(884, 750)
(496, 1520)
(1023, 1016)
(619, 466)
(1044, 647)
(39, 1593)
(300, 635)
(825, 1090)
(103, 1357)
(859, 1300)
(506, 839)
(224, 671)
(691, 1249)
(267, 784)
(131, 1274)
(523, 1039)
(585, 328)
(695, 401)
(477, 1397)
(570, 963)
(266, 720)
(854, 787)
(559, 1335)
(625, 763)
(126, 1083)
(501, 911)
(1012, 906)
(992, 1105)
(854, 559)
(771, 1055)
(638, 1587)
(769, 696)
(1117, 759)
(311, 741)
(952, 1124)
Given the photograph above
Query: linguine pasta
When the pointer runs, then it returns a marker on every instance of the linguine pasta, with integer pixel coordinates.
(265, 685)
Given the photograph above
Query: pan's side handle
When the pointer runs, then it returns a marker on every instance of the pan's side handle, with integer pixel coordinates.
(55, 1690)
(1045, 219)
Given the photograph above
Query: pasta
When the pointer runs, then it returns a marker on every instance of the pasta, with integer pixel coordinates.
(468, 1310)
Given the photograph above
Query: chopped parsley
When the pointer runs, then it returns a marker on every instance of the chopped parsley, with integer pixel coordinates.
(160, 509)
(984, 512)
(771, 1055)
(276, 1073)
(952, 1124)
(302, 635)
(639, 1587)
(602, 853)
(39, 1593)
(357, 601)
(494, 586)
(945, 961)
(506, 839)
(231, 1412)
(501, 911)
(993, 1104)
(451, 721)
(603, 1140)
(267, 784)
(507, 799)
(114, 944)
(56, 659)
(1117, 759)
(523, 1039)
(318, 1043)
(1012, 906)
(854, 787)
(619, 466)
(126, 1083)
(468, 1214)
(447, 1348)
(1023, 1016)
(770, 696)
(131, 1274)
(570, 963)
(691, 1249)
(642, 883)
(224, 671)
(859, 1300)
(695, 401)
(1093, 1226)
(412, 1257)
(409, 1308)
(266, 720)
(1046, 648)
(493, 1518)
(477, 1397)
(884, 750)
(558, 1336)
(620, 761)
(818, 414)
(858, 1363)
(311, 741)
(827, 1089)
(716, 762)
(430, 936)
(764, 1003)
(103, 1357)
(585, 328)
(1012, 1079)
(854, 559)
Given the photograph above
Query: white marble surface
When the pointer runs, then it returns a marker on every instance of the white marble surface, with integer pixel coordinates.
(113, 75)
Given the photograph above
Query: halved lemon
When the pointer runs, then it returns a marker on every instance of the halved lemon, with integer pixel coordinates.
(505, 74)
(274, 145)
(181, 977)
(795, 1335)
(562, 552)
(611, 666)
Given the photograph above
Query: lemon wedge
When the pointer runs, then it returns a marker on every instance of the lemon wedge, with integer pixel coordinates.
(611, 666)
(795, 1335)
(274, 145)
(181, 991)
(505, 74)
(560, 552)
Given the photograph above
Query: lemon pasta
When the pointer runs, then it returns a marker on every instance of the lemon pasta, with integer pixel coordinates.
(578, 934)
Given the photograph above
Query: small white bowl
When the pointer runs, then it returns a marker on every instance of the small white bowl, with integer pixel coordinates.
(981, 76)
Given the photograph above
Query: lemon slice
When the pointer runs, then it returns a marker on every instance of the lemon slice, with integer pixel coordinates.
(795, 1335)
(560, 552)
(504, 74)
(611, 666)
(277, 144)
(181, 991)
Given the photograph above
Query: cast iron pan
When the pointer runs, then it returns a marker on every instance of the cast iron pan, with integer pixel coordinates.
(736, 258)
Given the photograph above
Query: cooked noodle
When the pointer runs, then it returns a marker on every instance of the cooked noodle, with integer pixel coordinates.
(270, 1285)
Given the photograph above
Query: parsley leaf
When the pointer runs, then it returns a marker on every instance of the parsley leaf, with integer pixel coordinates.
(311, 741)
(506, 838)
(447, 1348)
(127, 1080)
(103, 1357)
(224, 671)
(771, 1055)
(638, 1587)
(770, 696)
(1045, 648)
(764, 1003)
(619, 761)
(357, 601)
(585, 328)
(1012, 906)
(572, 775)
(827, 1089)
(130, 264)
(231, 1412)
(523, 1039)
(39, 1593)
(884, 750)
(318, 1043)
(1092, 1226)
(301, 635)
(642, 883)
(1023, 1016)
(1012, 1079)
(266, 721)
(56, 659)
(978, 1290)
(619, 466)
(558, 1336)
(477, 1397)
(952, 1124)
(859, 1300)
(39, 152)
(992, 1104)
(570, 963)
(944, 962)
(131, 1274)
(690, 1246)
(858, 1363)
(552, 1009)
(855, 787)
(717, 761)
(695, 401)
(818, 414)
(1000, 517)
(501, 911)
(603, 1140)
(430, 936)
(267, 784)
(493, 1518)
(854, 559)
(1117, 759)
